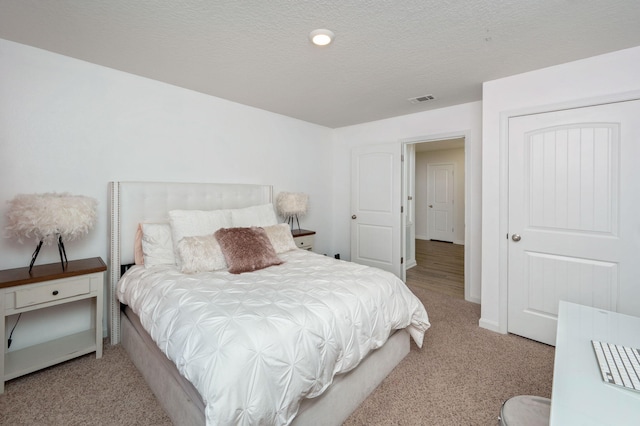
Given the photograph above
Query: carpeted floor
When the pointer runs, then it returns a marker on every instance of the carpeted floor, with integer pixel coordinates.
(460, 377)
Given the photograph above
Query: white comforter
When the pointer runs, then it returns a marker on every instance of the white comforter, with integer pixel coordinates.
(256, 344)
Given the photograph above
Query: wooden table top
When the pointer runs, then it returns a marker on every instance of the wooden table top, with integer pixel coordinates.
(302, 232)
(50, 271)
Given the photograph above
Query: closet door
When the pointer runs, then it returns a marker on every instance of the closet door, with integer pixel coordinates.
(574, 214)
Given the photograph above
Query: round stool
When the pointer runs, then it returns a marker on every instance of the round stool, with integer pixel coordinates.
(525, 410)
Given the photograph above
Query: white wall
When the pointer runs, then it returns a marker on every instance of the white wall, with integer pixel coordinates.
(460, 120)
(71, 126)
(68, 125)
(613, 76)
(443, 156)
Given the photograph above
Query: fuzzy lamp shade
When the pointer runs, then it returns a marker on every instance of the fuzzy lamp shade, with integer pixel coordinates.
(50, 217)
(292, 205)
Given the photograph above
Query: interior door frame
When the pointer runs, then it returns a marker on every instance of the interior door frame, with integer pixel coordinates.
(467, 199)
(503, 218)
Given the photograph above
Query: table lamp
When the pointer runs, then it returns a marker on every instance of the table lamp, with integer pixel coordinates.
(292, 205)
(50, 217)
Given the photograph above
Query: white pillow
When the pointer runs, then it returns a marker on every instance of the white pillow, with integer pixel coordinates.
(262, 215)
(280, 237)
(193, 223)
(200, 254)
(157, 244)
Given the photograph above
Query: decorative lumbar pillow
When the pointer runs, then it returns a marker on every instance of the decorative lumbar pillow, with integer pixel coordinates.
(138, 254)
(262, 215)
(193, 223)
(157, 244)
(200, 254)
(246, 249)
(280, 237)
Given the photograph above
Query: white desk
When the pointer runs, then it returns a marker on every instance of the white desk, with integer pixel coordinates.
(579, 395)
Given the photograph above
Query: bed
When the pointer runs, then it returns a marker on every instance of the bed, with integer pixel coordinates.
(297, 388)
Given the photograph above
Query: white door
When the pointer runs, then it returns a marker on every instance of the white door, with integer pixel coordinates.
(574, 214)
(375, 207)
(440, 202)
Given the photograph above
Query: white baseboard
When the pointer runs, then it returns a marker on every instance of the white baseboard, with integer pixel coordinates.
(490, 325)
(473, 300)
(411, 264)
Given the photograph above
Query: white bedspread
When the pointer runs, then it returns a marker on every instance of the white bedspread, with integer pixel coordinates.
(256, 344)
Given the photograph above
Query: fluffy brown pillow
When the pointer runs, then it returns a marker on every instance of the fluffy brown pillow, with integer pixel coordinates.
(246, 249)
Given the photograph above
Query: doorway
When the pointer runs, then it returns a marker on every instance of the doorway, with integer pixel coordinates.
(424, 256)
(439, 267)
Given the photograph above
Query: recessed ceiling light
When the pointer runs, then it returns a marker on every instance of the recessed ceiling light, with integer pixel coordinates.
(321, 37)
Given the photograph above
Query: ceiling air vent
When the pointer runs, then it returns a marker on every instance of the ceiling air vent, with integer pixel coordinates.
(421, 99)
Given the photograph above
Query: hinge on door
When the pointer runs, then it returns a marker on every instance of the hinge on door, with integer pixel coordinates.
(401, 209)
(402, 260)
(401, 157)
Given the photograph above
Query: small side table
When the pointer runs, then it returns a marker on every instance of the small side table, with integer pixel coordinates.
(303, 238)
(46, 286)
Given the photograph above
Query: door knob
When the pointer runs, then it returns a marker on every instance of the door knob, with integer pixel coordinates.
(516, 237)
(430, 206)
(354, 216)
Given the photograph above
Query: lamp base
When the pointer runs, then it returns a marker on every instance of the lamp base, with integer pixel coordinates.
(35, 255)
(61, 251)
(290, 221)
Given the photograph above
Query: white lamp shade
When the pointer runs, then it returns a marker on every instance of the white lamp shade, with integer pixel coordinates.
(49, 216)
(292, 204)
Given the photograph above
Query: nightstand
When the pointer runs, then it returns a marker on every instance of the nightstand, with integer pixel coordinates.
(303, 238)
(46, 286)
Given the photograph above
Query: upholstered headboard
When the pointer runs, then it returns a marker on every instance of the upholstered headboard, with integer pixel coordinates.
(135, 202)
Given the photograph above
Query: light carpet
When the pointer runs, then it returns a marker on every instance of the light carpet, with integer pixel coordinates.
(460, 377)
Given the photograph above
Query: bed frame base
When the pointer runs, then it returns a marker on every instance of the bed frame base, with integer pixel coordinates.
(333, 407)
(156, 369)
(350, 390)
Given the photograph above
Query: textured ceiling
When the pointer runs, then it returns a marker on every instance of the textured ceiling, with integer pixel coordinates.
(257, 52)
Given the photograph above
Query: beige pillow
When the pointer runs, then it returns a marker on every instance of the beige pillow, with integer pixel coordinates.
(246, 249)
(138, 254)
(192, 223)
(200, 254)
(280, 237)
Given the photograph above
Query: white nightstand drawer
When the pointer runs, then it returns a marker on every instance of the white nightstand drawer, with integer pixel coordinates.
(52, 292)
(304, 242)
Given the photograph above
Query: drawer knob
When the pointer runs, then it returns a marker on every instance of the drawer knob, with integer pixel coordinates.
(55, 292)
